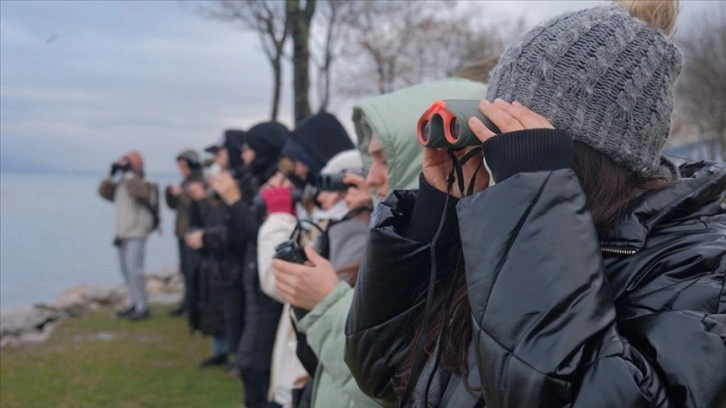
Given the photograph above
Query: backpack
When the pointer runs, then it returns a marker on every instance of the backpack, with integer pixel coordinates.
(151, 203)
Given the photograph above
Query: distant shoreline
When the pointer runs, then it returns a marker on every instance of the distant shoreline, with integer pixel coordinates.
(34, 323)
(76, 173)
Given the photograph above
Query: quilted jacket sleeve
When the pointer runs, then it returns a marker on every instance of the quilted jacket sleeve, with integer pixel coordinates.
(384, 299)
(107, 189)
(544, 317)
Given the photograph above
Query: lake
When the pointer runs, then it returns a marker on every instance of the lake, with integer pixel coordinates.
(56, 233)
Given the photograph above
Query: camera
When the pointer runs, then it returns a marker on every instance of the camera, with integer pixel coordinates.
(290, 251)
(333, 182)
(445, 124)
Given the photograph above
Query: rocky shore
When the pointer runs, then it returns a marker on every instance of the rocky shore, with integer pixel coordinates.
(19, 325)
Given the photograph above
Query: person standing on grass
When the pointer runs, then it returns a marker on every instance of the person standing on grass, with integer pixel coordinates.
(178, 199)
(136, 201)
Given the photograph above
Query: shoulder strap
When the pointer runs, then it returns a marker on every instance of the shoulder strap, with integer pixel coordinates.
(152, 204)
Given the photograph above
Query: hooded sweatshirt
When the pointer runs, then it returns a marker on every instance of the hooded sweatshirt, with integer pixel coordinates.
(394, 117)
(315, 141)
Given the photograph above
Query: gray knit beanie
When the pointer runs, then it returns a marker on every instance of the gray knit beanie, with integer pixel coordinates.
(601, 75)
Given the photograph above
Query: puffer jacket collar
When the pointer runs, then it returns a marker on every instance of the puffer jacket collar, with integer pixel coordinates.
(702, 188)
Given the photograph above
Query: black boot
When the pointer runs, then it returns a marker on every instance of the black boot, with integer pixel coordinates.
(179, 311)
(125, 312)
(139, 315)
(216, 360)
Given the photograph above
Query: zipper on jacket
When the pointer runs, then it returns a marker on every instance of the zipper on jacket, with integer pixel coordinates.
(619, 251)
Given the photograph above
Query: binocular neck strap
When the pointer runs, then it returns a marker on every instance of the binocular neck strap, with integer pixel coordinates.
(418, 355)
(457, 173)
(295, 235)
(458, 165)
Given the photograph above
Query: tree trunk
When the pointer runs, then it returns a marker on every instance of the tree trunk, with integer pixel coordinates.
(299, 18)
(277, 74)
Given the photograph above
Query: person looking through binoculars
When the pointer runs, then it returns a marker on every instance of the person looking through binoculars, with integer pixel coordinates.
(561, 260)
(136, 202)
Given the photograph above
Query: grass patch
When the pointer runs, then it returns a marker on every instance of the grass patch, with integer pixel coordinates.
(102, 361)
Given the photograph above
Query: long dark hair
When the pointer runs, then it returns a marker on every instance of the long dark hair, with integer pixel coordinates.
(610, 192)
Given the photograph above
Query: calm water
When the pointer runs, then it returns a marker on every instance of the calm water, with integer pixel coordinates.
(56, 233)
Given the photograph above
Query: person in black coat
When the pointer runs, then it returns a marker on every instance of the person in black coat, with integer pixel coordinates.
(219, 294)
(584, 270)
(254, 352)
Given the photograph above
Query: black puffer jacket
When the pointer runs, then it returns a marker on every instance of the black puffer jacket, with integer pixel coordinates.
(559, 317)
(261, 312)
(216, 270)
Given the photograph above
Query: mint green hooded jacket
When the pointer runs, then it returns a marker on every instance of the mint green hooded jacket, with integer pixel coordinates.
(393, 117)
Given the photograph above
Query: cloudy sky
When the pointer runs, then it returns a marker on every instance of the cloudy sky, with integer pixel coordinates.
(82, 82)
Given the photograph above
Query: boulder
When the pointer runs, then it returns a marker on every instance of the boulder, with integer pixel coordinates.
(24, 325)
(154, 286)
(83, 299)
(165, 274)
(21, 320)
(104, 295)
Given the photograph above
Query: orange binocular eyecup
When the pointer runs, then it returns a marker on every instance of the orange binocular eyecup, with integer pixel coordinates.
(445, 124)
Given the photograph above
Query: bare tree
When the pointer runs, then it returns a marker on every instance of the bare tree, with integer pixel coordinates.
(268, 19)
(701, 91)
(376, 35)
(325, 44)
(390, 45)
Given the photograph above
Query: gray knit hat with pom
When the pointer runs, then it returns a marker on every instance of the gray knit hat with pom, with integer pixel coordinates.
(600, 74)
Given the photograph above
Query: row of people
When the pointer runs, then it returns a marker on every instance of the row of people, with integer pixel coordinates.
(570, 264)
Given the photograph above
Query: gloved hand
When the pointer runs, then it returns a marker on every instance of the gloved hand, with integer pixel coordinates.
(278, 199)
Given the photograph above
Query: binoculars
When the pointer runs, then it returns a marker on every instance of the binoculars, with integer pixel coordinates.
(334, 182)
(115, 168)
(445, 124)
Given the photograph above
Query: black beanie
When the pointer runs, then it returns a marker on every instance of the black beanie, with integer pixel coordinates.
(267, 139)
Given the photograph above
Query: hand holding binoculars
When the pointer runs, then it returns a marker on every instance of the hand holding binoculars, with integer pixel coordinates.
(445, 124)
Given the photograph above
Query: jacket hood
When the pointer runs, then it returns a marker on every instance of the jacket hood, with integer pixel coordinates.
(193, 161)
(190, 155)
(266, 139)
(393, 117)
(233, 140)
(316, 140)
(348, 160)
